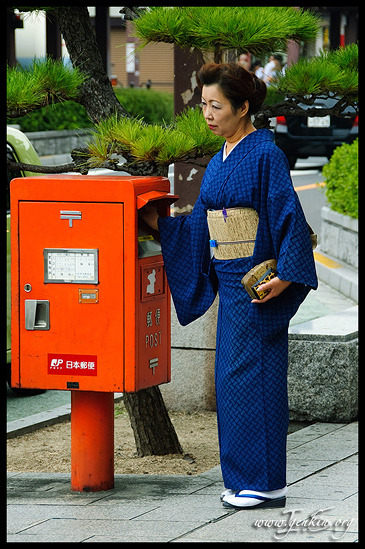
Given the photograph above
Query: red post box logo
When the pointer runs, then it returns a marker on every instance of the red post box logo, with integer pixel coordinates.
(80, 365)
(152, 281)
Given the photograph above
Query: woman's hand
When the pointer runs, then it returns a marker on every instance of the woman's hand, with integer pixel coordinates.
(275, 286)
(150, 216)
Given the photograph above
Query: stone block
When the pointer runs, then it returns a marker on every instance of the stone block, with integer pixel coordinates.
(200, 334)
(58, 142)
(339, 236)
(322, 381)
(192, 363)
(323, 368)
(192, 380)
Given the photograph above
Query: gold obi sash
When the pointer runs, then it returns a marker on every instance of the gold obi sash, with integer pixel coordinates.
(232, 232)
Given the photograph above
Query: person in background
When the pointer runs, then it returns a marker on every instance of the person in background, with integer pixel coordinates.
(273, 74)
(257, 68)
(268, 68)
(244, 60)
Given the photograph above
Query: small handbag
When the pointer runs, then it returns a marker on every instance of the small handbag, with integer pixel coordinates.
(265, 271)
(260, 274)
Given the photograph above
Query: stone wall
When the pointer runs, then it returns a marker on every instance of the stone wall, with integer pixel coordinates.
(339, 236)
(323, 368)
(58, 142)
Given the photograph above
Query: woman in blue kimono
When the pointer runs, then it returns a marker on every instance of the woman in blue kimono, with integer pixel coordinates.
(250, 171)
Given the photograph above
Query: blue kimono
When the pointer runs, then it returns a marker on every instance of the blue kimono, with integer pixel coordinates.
(252, 339)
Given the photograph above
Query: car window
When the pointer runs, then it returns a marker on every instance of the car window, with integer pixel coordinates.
(10, 174)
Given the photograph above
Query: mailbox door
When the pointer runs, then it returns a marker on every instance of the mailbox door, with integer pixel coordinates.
(71, 295)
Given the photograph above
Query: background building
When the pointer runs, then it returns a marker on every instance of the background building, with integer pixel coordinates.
(31, 35)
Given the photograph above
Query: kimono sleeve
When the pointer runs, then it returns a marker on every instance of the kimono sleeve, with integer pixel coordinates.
(288, 227)
(185, 250)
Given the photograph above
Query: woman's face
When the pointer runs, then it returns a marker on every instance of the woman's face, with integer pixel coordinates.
(218, 113)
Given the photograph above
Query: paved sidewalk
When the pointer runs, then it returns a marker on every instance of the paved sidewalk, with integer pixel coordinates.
(322, 478)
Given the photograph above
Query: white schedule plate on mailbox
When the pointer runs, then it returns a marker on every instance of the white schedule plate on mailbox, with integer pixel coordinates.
(75, 266)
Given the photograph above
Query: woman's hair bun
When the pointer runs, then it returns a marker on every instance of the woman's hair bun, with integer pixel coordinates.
(259, 95)
(237, 83)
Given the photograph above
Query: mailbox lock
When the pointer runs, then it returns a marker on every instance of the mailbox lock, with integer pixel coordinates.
(27, 287)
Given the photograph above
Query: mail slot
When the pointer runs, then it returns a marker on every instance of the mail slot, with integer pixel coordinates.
(90, 300)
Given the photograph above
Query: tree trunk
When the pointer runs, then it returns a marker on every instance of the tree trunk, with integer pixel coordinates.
(153, 431)
(97, 94)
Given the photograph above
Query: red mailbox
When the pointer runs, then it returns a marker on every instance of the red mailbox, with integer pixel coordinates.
(90, 300)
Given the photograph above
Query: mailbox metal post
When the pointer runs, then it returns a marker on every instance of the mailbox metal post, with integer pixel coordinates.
(92, 441)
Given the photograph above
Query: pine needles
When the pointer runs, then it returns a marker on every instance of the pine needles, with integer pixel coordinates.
(187, 137)
(45, 82)
(250, 28)
(334, 72)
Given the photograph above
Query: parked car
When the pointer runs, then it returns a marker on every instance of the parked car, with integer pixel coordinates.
(302, 136)
(20, 149)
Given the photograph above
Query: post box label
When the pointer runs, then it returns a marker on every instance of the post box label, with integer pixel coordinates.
(79, 365)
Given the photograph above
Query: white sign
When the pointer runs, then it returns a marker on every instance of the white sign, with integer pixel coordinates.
(130, 57)
(70, 266)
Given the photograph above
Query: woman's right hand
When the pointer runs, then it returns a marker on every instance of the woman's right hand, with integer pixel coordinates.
(150, 216)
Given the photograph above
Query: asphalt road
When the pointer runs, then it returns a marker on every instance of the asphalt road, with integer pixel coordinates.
(306, 176)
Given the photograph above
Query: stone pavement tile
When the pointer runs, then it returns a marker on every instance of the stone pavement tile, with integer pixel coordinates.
(237, 527)
(214, 489)
(341, 522)
(202, 508)
(40, 488)
(48, 494)
(339, 517)
(153, 487)
(70, 530)
(331, 472)
(314, 431)
(320, 491)
(348, 507)
(324, 453)
(343, 472)
(352, 459)
(43, 488)
(302, 507)
(297, 468)
(214, 474)
(22, 538)
(311, 433)
(291, 524)
(348, 431)
(22, 516)
(325, 448)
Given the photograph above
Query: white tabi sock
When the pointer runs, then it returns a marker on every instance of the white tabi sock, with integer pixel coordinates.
(246, 498)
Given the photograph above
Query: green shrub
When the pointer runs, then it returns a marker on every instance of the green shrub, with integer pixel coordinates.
(153, 106)
(60, 116)
(341, 175)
